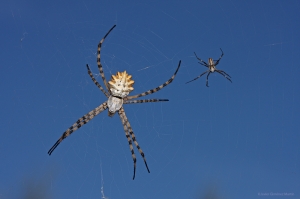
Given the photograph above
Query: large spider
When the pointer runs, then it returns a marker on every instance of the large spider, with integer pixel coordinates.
(118, 89)
(211, 68)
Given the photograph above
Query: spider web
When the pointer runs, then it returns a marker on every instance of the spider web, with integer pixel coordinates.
(238, 140)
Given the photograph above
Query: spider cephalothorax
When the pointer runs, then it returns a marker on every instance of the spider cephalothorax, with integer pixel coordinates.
(117, 92)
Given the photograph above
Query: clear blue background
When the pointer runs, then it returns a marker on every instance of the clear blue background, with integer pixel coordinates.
(231, 140)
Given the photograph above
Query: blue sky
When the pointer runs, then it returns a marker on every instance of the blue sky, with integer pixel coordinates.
(231, 140)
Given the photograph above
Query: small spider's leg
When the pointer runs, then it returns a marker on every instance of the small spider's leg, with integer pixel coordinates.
(224, 75)
(217, 61)
(79, 123)
(123, 117)
(207, 78)
(198, 77)
(201, 61)
(204, 64)
(222, 52)
(156, 89)
(95, 81)
(144, 100)
(98, 59)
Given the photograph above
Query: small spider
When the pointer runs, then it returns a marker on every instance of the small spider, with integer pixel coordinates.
(211, 68)
(118, 89)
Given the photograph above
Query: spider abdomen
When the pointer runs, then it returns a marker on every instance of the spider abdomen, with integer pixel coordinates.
(121, 84)
(114, 104)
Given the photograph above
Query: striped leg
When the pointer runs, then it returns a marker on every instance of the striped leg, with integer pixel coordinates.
(129, 142)
(197, 77)
(224, 75)
(145, 100)
(98, 58)
(79, 123)
(127, 128)
(224, 72)
(156, 89)
(95, 81)
(201, 61)
(217, 62)
(207, 78)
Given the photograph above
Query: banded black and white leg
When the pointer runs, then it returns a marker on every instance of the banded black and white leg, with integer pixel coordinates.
(145, 101)
(95, 81)
(207, 78)
(99, 59)
(79, 123)
(224, 74)
(198, 76)
(217, 61)
(201, 61)
(157, 88)
(130, 138)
